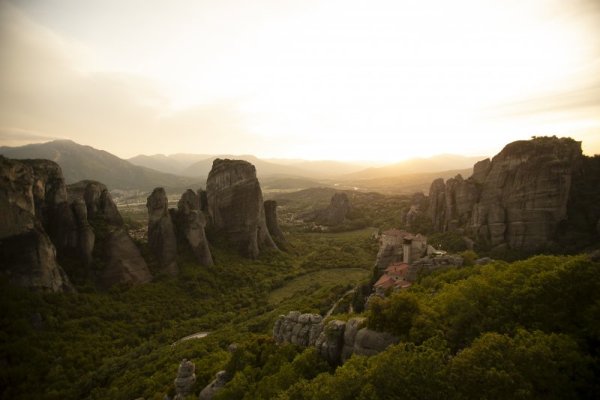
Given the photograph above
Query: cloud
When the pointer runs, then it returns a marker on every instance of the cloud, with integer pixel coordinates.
(47, 87)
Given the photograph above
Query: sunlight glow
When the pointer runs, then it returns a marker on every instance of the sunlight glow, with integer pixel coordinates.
(338, 79)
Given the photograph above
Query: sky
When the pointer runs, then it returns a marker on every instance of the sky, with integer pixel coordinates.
(313, 79)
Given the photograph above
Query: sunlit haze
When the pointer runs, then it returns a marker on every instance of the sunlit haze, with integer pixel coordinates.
(327, 79)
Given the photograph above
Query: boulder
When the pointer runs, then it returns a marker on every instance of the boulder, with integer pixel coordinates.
(185, 380)
(335, 342)
(368, 342)
(331, 341)
(161, 232)
(212, 388)
(352, 328)
(235, 206)
(298, 329)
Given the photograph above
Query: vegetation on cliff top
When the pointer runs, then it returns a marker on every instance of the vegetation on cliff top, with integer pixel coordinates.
(118, 344)
(526, 330)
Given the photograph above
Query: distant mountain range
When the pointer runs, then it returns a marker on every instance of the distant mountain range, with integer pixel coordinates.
(442, 162)
(199, 165)
(80, 162)
(179, 171)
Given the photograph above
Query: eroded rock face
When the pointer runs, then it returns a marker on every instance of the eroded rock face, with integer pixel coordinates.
(212, 388)
(235, 206)
(40, 217)
(299, 329)
(334, 214)
(29, 260)
(336, 341)
(330, 342)
(124, 262)
(99, 224)
(190, 222)
(272, 224)
(186, 378)
(30, 192)
(161, 232)
(517, 199)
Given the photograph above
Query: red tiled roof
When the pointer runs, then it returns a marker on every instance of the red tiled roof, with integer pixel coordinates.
(384, 282)
(397, 269)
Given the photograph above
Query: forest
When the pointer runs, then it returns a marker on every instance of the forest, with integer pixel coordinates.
(527, 329)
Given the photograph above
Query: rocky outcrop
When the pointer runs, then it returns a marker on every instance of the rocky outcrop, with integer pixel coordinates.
(517, 200)
(299, 329)
(336, 341)
(186, 378)
(235, 206)
(213, 387)
(334, 214)
(161, 232)
(272, 224)
(42, 219)
(30, 192)
(330, 342)
(29, 260)
(369, 343)
(190, 223)
(101, 236)
(418, 204)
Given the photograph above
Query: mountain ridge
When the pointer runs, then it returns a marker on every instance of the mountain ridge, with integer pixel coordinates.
(80, 162)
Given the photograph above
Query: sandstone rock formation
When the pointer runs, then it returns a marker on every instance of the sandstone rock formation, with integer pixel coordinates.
(330, 342)
(235, 206)
(296, 328)
(336, 341)
(99, 225)
(29, 193)
(518, 199)
(418, 204)
(190, 222)
(334, 214)
(272, 224)
(161, 232)
(186, 378)
(213, 387)
(40, 219)
(29, 260)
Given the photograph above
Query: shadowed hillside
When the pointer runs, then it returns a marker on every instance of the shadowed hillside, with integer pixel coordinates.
(80, 162)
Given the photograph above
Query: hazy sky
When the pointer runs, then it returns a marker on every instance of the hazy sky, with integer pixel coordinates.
(317, 79)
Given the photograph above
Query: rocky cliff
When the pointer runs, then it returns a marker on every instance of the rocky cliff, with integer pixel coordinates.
(42, 221)
(30, 192)
(334, 214)
(161, 232)
(190, 223)
(335, 341)
(517, 200)
(235, 206)
(272, 223)
(102, 242)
